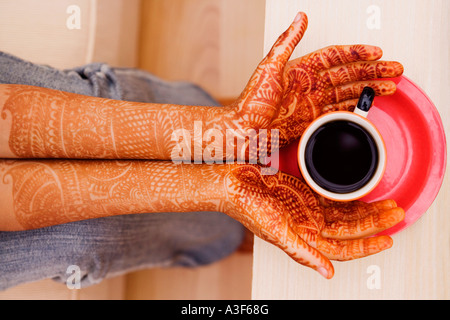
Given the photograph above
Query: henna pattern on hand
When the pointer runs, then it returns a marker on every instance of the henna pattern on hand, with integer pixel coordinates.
(284, 211)
(287, 96)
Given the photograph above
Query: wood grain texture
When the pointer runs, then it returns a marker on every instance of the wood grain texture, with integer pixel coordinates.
(227, 279)
(416, 267)
(41, 32)
(214, 43)
(24, 23)
(110, 289)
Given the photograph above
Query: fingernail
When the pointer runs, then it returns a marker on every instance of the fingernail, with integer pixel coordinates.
(297, 17)
(323, 272)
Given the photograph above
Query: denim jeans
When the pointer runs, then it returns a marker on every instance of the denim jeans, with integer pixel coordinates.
(111, 246)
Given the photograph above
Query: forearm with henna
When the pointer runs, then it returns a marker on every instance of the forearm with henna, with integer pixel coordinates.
(44, 123)
(280, 208)
(40, 193)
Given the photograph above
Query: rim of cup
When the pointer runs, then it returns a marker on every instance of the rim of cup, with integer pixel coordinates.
(370, 128)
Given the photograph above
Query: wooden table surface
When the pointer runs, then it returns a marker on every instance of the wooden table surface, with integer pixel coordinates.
(416, 33)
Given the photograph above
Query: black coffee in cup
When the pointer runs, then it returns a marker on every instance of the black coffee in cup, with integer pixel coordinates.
(341, 156)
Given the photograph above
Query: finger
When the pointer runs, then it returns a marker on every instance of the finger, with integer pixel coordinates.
(372, 222)
(348, 105)
(343, 250)
(286, 43)
(354, 90)
(282, 235)
(354, 210)
(360, 71)
(306, 255)
(268, 74)
(332, 56)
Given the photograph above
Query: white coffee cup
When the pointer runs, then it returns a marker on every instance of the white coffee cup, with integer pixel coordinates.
(358, 121)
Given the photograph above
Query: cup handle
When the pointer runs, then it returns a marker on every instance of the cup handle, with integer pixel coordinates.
(365, 102)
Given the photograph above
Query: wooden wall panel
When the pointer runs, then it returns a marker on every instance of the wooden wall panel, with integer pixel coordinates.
(214, 43)
(70, 33)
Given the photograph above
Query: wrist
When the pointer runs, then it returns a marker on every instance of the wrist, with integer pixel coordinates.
(203, 185)
(205, 136)
(235, 136)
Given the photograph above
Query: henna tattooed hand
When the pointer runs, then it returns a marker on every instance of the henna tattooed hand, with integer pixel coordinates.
(280, 209)
(288, 95)
(283, 210)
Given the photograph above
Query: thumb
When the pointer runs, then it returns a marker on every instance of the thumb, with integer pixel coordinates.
(259, 100)
(285, 44)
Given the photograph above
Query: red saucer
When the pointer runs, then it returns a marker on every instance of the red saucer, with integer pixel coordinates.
(416, 151)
